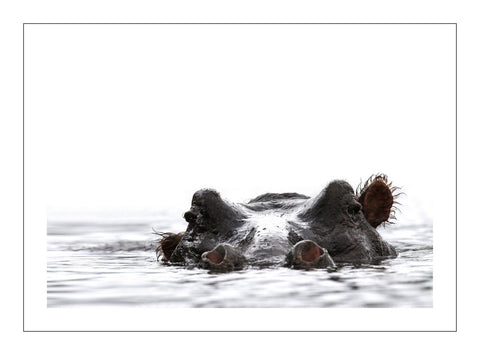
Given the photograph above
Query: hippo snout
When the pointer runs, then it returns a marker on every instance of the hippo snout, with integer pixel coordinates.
(307, 254)
(222, 258)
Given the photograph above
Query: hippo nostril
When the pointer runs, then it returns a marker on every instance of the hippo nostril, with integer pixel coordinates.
(216, 256)
(310, 252)
(223, 257)
(307, 254)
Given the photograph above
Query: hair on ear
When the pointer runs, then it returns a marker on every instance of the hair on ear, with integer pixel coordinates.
(168, 243)
(378, 198)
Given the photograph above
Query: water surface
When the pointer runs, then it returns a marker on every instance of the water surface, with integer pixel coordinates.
(111, 262)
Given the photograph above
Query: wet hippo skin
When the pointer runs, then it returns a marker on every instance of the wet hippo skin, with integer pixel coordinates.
(286, 229)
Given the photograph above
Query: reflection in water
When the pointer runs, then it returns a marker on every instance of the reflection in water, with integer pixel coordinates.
(114, 264)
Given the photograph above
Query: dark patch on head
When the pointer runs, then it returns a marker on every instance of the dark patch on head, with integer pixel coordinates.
(293, 237)
(273, 196)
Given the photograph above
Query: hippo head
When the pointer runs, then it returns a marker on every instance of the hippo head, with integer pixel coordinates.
(290, 229)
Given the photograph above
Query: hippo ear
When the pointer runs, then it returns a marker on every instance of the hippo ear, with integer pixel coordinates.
(168, 244)
(377, 199)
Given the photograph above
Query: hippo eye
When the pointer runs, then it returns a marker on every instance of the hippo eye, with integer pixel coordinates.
(354, 208)
(189, 216)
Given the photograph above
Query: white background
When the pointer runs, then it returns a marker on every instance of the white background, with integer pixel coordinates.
(124, 117)
(424, 11)
(138, 117)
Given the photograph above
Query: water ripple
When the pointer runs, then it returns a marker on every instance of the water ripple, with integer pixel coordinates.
(114, 265)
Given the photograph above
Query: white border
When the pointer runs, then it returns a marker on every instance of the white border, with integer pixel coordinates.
(38, 317)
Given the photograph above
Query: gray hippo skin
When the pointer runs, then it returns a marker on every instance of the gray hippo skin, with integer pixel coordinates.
(285, 229)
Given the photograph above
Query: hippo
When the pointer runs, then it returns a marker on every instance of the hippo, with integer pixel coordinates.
(339, 225)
